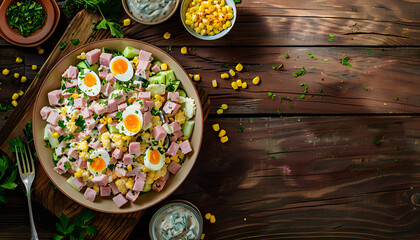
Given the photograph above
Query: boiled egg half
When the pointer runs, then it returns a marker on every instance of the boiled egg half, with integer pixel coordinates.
(121, 68)
(154, 160)
(98, 162)
(132, 121)
(89, 82)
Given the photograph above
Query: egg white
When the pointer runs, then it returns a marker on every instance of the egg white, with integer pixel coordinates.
(90, 91)
(102, 154)
(129, 111)
(151, 166)
(128, 75)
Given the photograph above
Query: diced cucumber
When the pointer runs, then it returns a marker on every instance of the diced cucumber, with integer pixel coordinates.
(53, 141)
(156, 89)
(147, 187)
(69, 181)
(113, 129)
(170, 75)
(182, 93)
(187, 128)
(46, 130)
(94, 68)
(157, 79)
(173, 86)
(130, 52)
(82, 65)
(106, 50)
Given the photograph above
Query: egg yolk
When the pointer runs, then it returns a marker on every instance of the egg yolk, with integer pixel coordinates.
(154, 157)
(132, 123)
(89, 80)
(98, 164)
(119, 66)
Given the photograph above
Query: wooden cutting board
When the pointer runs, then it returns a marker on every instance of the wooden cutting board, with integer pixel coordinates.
(110, 226)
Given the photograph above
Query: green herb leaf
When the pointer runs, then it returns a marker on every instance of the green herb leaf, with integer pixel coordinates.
(240, 129)
(286, 56)
(225, 65)
(365, 88)
(75, 41)
(300, 73)
(61, 124)
(237, 1)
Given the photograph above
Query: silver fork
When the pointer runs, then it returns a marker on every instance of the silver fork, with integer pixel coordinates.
(27, 174)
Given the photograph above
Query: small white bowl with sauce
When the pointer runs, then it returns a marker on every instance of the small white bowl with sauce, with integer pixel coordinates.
(150, 12)
(184, 7)
(179, 217)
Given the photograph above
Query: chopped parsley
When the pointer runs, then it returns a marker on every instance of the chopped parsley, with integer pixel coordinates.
(396, 99)
(75, 41)
(168, 48)
(312, 56)
(237, 1)
(377, 142)
(277, 67)
(63, 45)
(368, 51)
(225, 65)
(240, 129)
(331, 37)
(365, 88)
(302, 96)
(345, 61)
(286, 56)
(300, 73)
(272, 95)
(61, 124)
(67, 165)
(80, 122)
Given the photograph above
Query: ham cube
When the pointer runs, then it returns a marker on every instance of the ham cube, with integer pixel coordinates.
(54, 117)
(55, 128)
(105, 191)
(173, 96)
(61, 168)
(95, 145)
(149, 104)
(158, 185)
(121, 171)
(185, 146)
(98, 109)
(78, 182)
(173, 149)
(101, 128)
(103, 72)
(134, 148)
(133, 172)
(81, 163)
(45, 112)
(159, 133)
(80, 102)
(176, 136)
(143, 65)
(142, 73)
(173, 167)
(128, 159)
(117, 153)
(86, 113)
(106, 89)
(59, 151)
(119, 200)
(144, 95)
(73, 153)
(71, 83)
(93, 56)
(139, 182)
(90, 123)
(101, 181)
(139, 104)
(112, 105)
(110, 78)
(121, 107)
(155, 68)
(91, 98)
(144, 55)
(90, 194)
(175, 126)
(147, 118)
(132, 195)
(54, 97)
(114, 188)
(105, 59)
(71, 72)
(171, 108)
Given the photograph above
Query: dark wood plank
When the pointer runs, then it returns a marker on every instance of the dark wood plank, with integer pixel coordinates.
(323, 178)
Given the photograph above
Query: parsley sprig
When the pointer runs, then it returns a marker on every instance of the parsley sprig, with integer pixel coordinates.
(8, 176)
(77, 229)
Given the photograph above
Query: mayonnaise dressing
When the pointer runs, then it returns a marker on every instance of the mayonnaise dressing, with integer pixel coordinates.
(150, 10)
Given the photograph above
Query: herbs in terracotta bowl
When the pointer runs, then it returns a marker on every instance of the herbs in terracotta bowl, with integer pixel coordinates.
(26, 16)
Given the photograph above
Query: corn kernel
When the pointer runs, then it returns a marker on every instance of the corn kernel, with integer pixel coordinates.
(234, 85)
(16, 75)
(202, 236)
(5, 71)
(212, 219)
(15, 96)
(184, 50)
(244, 85)
(222, 133)
(73, 119)
(96, 188)
(214, 83)
(127, 22)
(164, 66)
(256, 80)
(232, 73)
(78, 173)
(224, 75)
(41, 51)
(191, 76)
(123, 149)
(239, 82)
(34, 67)
(20, 92)
(55, 134)
(75, 95)
(167, 160)
(224, 106)
(19, 59)
(239, 67)
(23, 79)
(131, 100)
(219, 111)
(197, 77)
(110, 120)
(129, 167)
(167, 35)
(207, 216)
(215, 127)
(224, 139)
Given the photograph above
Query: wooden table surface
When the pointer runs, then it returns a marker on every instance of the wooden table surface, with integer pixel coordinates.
(314, 171)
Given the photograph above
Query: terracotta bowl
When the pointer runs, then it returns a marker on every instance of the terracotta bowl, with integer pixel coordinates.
(105, 204)
(127, 10)
(40, 35)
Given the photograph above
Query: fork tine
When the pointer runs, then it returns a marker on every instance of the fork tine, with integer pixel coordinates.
(32, 160)
(27, 170)
(18, 161)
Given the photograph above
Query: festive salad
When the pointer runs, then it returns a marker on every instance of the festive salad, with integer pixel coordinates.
(119, 124)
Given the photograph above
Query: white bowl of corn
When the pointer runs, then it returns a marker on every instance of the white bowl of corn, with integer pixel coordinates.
(208, 19)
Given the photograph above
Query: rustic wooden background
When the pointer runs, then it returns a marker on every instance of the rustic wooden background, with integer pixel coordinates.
(314, 173)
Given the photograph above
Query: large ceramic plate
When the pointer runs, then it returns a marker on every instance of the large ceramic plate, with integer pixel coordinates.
(52, 82)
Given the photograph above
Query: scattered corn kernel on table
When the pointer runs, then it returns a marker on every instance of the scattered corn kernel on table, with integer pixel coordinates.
(331, 151)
